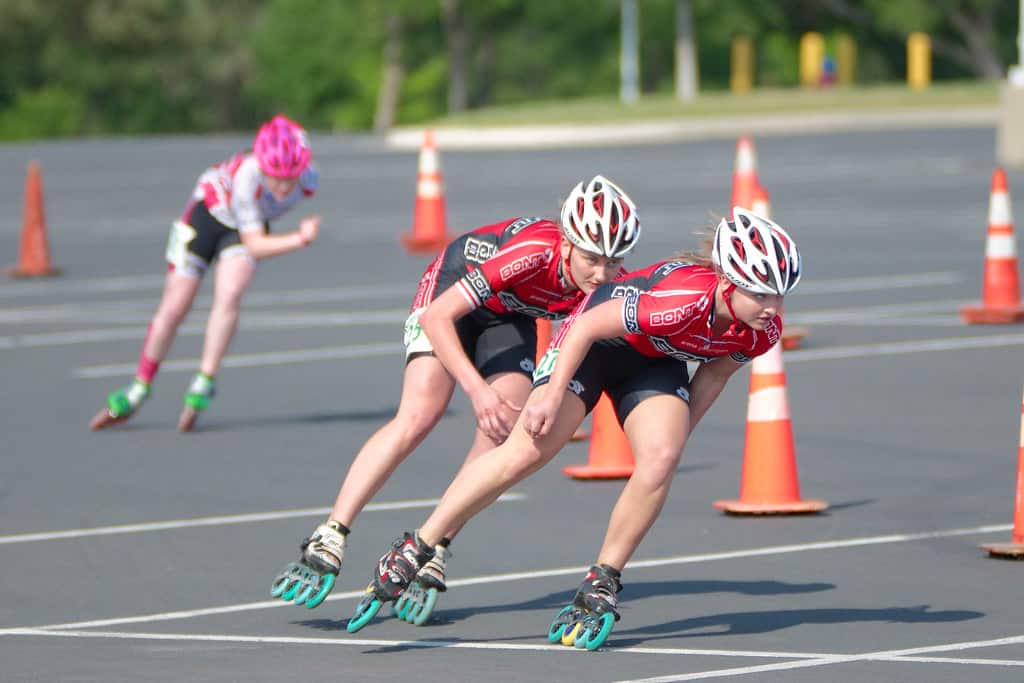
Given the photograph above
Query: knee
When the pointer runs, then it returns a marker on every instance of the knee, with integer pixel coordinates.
(657, 464)
(521, 458)
(229, 301)
(416, 422)
(171, 313)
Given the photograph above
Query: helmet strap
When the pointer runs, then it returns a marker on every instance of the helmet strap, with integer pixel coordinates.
(567, 268)
(727, 298)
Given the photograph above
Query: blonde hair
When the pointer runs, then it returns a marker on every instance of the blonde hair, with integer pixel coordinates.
(706, 239)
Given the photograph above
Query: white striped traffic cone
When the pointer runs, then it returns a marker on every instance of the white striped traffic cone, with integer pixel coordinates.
(1000, 290)
(429, 231)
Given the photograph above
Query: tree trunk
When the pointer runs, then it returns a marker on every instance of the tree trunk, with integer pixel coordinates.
(687, 82)
(458, 44)
(391, 79)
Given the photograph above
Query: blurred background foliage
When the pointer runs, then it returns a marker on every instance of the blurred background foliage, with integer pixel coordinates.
(97, 67)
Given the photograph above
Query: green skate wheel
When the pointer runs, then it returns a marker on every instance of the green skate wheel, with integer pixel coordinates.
(418, 617)
(326, 584)
(366, 610)
(557, 628)
(595, 632)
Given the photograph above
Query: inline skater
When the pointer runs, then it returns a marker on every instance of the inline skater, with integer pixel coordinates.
(228, 220)
(472, 323)
(630, 339)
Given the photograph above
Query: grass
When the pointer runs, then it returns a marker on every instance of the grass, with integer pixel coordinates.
(765, 100)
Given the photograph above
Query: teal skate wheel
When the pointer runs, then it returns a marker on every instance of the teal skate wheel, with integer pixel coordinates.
(595, 631)
(283, 580)
(303, 595)
(326, 584)
(366, 610)
(405, 603)
(292, 590)
(399, 604)
(418, 617)
(564, 618)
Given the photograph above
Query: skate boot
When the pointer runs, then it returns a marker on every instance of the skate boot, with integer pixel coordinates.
(395, 570)
(121, 405)
(417, 603)
(197, 399)
(309, 581)
(588, 621)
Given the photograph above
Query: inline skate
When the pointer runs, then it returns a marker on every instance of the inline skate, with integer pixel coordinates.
(395, 570)
(121, 405)
(417, 603)
(197, 399)
(309, 581)
(587, 622)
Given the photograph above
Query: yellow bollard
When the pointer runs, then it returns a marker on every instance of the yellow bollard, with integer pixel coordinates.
(741, 77)
(919, 60)
(846, 59)
(812, 52)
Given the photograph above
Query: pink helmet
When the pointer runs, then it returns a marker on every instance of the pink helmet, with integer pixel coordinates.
(281, 148)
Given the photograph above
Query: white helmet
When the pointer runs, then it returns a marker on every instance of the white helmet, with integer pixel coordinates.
(600, 218)
(756, 254)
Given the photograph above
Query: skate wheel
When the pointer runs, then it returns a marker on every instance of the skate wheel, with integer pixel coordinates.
(283, 580)
(403, 604)
(326, 584)
(366, 610)
(188, 419)
(292, 590)
(104, 419)
(570, 632)
(557, 628)
(595, 631)
(421, 613)
(303, 595)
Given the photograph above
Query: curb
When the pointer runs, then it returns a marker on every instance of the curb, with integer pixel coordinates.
(676, 130)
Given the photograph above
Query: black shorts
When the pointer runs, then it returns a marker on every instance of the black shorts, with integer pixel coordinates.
(495, 343)
(627, 376)
(199, 238)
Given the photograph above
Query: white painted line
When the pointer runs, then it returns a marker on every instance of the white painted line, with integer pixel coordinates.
(872, 313)
(897, 348)
(226, 520)
(365, 642)
(377, 350)
(885, 655)
(284, 321)
(952, 660)
(879, 282)
(254, 360)
(562, 571)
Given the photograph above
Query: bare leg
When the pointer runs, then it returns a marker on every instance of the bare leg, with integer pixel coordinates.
(234, 274)
(657, 453)
(515, 387)
(426, 391)
(481, 481)
(175, 303)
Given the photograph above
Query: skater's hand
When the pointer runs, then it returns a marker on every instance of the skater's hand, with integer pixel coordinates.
(309, 229)
(539, 415)
(495, 414)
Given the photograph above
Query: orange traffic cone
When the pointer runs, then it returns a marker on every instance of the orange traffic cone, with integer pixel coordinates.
(610, 456)
(1000, 289)
(34, 252)
(769, 484)
(429, 232)
(543, 342)
(744, 177)
(792, 336)
(1014, 549)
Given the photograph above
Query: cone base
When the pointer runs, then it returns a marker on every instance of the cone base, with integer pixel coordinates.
(17, 272)
(796, 507)
(979, 315)
(419, 245)
(580, 435)
(792, 337)
(592, 472)
(1010, 551)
